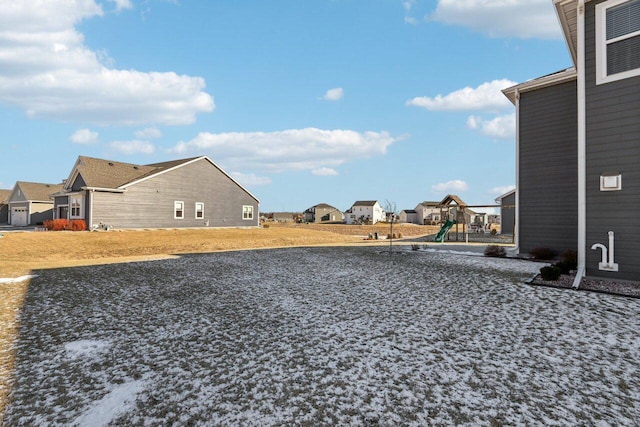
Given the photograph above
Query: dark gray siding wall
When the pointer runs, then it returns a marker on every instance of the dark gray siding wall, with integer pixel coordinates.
(613, 145)
(508, 215)
(150, 204)
(59, 201)
(548, 168)
(4, 213)
(78, 183)
(37, 218)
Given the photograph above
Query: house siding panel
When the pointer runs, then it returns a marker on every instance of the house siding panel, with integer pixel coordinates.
(508, 215)
(150, 203)
(548, 182)
(613, 144)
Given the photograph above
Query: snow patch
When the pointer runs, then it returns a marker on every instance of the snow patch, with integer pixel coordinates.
(10, 280)
(85, 348)
(119, 401)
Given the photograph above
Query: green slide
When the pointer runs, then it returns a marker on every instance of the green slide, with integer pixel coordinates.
(444, 230)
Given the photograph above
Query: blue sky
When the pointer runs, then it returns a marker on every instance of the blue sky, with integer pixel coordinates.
(303, 102)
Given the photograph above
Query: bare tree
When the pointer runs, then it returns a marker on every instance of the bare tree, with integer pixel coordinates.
(392, 216)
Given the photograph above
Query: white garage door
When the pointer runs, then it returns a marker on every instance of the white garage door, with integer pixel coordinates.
(19, 217)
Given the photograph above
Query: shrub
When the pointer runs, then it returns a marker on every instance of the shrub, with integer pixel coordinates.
(544, 254)
(550, 273)
(265, 225)
(563, 267)
(493, 232)
(570, 258)
(415, 247)
(65, 224)
(495, 251)
(399, 235)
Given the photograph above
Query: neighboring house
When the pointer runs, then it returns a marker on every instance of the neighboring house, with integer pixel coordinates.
(409, 216)
(284, 216)
(428, 213)
(30, 203)
(507, 203)
(577, 143)
(323, 213)
(4, 206)
(191, 192)
(365, 212)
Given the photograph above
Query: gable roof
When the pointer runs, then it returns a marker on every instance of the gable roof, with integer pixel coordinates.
(4, 196)
(507, 194)
(409, 211)
(365, 203)
(112, 175)
(429, 204)
(37, 191)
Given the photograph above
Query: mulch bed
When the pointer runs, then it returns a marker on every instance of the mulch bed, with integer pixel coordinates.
(623, 288)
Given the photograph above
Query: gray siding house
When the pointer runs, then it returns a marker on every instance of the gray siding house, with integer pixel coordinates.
(30, 203)
(507, 203)
(578, 143)
(4, 206)
(192, 192)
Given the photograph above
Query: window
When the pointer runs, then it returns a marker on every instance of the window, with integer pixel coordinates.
(617, 40)
(178, 210)
(76, 206)
(247, 212)
(199, 210)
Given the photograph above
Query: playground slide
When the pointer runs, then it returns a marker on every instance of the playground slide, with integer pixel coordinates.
(444, 230)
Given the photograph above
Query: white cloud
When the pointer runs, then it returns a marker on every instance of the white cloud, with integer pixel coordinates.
(250, 179)
(46, 69)
(148, 133)
(450, 187)
(122, 4)
(133, 147)
(325, 172)
(498, 191)
(293, 149)
(84, 136)
(486, 97)
(502, 127)
(501, 18)
(333, 94)
(408, 4)
(410, 20)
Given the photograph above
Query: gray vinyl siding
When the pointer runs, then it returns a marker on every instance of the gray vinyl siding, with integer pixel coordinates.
(613, 145)
(150, 203)
(4, 214)
(40, 212)
(508, 215)
(548, 168)
(78, 184)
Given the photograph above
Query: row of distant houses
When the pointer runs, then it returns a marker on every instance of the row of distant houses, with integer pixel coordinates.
(371, 212)
(192, 192)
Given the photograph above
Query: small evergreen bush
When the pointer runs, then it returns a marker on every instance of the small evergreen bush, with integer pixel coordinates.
(495, 251)
(493, 232)
(550, 273)
(570, 258)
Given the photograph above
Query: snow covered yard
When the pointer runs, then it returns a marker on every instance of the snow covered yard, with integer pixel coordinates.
(335, 336)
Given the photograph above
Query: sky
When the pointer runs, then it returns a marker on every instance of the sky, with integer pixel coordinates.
(302, 102)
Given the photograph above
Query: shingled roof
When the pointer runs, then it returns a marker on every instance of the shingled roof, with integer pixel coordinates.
(4, 196)
(36, 191)
(100, 173)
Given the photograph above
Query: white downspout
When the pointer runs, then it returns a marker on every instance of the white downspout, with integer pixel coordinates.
(582, 158)
(516, 226)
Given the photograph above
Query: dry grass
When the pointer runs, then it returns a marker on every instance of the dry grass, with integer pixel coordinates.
(407, 230)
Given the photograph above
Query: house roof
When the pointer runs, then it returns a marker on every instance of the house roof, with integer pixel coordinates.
(507, 194)
(4, 196)
(112, 175)
(100, 173)
(558, 77)
(430, 204)
(409, 211)
(37, 191)
(365, 203)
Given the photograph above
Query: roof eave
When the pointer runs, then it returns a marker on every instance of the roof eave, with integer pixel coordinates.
(553, 79)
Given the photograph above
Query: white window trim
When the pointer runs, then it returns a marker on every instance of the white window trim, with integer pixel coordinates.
(601, 45)
(196, 212)
(80, 209)
(175, 210)
(247, 219)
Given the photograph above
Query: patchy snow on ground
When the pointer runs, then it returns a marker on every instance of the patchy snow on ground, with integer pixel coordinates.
(322, 336)
(10, 280)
